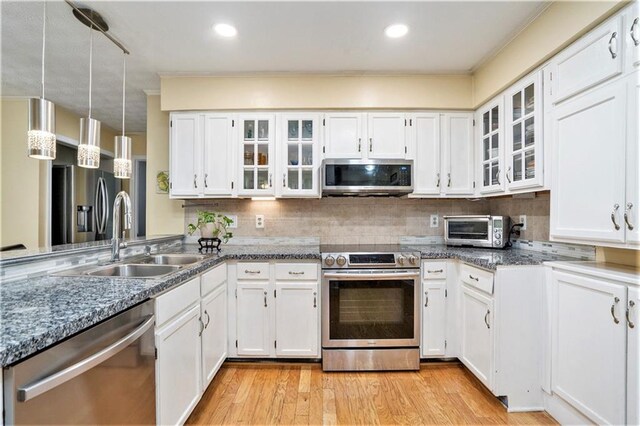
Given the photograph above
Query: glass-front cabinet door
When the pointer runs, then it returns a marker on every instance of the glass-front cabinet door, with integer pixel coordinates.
(524, 133)
(491, 147)
(299, 155)
(256, 155)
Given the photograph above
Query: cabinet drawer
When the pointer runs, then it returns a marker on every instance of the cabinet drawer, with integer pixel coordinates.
(213, 278)
(170, 304)
(477, 278)
(253, 271)
(296, 271)
(434, 270)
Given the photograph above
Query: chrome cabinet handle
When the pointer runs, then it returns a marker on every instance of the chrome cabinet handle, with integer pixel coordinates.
(474, 278)
(613, 216)
(507, 174)
(195, 181)
(498, 177)
(626, 216)
(208, 319)
(611, 40)
(315, 299)
(284, 180)
(370, 144)
(438, 180)
(249, 271)
(613, 307)
(434, 271)
(359, 144)
(631, 305)
(486, 318)
(448, 180)
(201, 326)
(426, 299)
(296, 273)
(632, 31)
(270, 180)
(205, 180)
(265, 299)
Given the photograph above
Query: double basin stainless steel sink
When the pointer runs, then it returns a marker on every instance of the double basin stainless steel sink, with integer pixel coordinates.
(152, 266)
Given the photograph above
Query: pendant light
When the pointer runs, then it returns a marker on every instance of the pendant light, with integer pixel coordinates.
(122, 161)
(89, 147)
(41, 137)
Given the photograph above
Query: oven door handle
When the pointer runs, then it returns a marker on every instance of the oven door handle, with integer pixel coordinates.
(370, 276)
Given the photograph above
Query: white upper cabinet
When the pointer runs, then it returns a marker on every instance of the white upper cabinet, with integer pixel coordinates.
(257, 154)
(426, 144)
(299, 155)
(588, 182)
(523, 133)
(457, 146)
(343, 135)
(218, 141)
(386, 135)
(632, 36)
(491, 146)
(632, 202)
(186, 155)
(591, 60)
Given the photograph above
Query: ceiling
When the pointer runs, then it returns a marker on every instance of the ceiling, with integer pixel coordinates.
(174, 37)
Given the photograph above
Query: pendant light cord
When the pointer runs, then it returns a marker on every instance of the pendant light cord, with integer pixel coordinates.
(90, 64)
(44, 38)
(124, 79)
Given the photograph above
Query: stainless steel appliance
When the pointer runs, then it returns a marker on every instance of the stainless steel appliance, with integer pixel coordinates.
(367, 177)
(477, 231)
(105, 375)
(370, 308)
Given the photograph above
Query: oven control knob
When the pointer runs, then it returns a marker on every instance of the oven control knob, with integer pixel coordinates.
(341, 260)
(413, 259)
(401, 259)
(329, 260)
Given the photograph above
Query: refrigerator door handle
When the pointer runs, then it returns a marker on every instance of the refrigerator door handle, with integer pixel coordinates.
(105, 206)
(98, 199)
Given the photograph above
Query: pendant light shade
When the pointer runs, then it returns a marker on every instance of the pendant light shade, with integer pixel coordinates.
(122, 161)
(89, 147)
(41, 137)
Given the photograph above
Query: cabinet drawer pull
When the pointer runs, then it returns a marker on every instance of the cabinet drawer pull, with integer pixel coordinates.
(474, 278)
(486, 318)
(208, 319)
(632, 32)
(611, 40)
(613, 216)
(631, 305)
(434, 271)
(426, 299)
(613, 307)
(437, 180)
(195, 181)
(249, 271)
(265, 299)
(296, 273)
(626, 216)
(315, 299)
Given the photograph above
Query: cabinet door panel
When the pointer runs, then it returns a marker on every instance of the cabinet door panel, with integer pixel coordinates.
(185, 155)
(214, 335)
(589, 166)
(632, 201)
(490, 144)
(433, 318)
(477, 335)
(426, 131)
(343, 135)
(589, 359)
(299, 157)
(297, 319)
(256, 155)
(386, 135)
(218, 155)
(632, 34)
(252, 321)
(178, 373)
(457, 144)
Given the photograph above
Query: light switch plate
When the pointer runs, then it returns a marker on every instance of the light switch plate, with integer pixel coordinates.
(523, 221)
(433, 221)
(234, 218)
(259, 221)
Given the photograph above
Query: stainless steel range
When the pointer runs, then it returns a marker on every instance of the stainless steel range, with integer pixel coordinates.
(370, 309)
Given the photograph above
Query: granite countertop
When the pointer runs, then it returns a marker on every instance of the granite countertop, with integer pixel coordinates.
(38, 312)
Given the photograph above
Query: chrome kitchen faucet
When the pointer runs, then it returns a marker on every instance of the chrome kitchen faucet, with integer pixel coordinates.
(116, 242)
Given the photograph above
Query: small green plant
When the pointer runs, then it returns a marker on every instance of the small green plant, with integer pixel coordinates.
(212, 225)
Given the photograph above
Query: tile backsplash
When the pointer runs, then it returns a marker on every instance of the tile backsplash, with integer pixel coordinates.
(368, 220)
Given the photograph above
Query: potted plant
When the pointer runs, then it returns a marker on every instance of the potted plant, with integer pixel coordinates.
(212, 225)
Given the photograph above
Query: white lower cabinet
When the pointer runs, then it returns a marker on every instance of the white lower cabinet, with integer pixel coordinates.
(297, 319)
(633, 356)
(434, 310)
(252, 320)
(477, 335)
(214, 335)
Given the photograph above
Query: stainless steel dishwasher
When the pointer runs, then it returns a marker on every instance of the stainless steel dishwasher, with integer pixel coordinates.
(104, 375)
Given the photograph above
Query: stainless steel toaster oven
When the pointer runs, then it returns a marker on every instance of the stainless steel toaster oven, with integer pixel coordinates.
(477, 231)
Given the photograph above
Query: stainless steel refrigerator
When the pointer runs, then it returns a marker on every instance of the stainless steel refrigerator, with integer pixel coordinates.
(81, 203)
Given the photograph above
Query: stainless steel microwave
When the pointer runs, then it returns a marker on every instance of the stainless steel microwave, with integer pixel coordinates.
(477, 231)
(367, 177)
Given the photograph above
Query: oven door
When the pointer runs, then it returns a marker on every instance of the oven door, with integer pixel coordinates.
(370, 308)
(476, 231)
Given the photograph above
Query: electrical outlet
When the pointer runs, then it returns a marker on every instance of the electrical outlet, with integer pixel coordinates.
(259, 221)
(234, 218)
(523, 221)
(433, 221)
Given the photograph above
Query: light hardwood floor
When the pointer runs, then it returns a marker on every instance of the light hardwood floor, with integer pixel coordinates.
(440, 393)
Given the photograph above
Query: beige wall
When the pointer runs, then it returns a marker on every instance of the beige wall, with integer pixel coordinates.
(560, 24)
(164, 216)
(68, 124)
(316, 92)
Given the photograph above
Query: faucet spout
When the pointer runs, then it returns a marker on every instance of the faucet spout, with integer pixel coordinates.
(117, 243)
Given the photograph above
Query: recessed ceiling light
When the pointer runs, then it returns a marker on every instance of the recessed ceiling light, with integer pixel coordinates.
(396, 30)
(225, 30)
